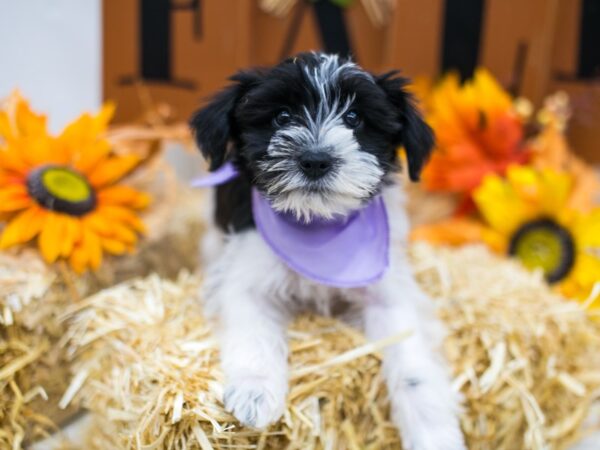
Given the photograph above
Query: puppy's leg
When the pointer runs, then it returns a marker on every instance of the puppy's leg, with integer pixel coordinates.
(252, 331)
(424, 406)
(254, 359)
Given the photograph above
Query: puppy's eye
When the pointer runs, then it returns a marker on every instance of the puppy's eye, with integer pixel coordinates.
(352, 118)
(283, 117)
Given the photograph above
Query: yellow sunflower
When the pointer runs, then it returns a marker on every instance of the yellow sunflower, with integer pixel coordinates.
(63, 189)
(529, 217)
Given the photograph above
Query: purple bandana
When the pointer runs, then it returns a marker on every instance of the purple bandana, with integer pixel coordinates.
(348, 251)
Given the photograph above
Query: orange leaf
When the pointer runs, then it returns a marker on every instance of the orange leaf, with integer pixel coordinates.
(456, 231)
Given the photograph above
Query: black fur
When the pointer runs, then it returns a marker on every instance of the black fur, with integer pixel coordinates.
(415, 135)
(234, 211)
(238, 124)
(214, 126)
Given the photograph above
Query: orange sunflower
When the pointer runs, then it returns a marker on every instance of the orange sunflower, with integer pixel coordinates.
(477, 132)
(63, 189)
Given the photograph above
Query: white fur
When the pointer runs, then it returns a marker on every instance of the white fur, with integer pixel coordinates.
(254, 295)
(344, 189)
(358, 173)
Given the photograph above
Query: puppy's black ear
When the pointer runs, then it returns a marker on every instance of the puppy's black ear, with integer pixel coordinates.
(213, 126)
(416, 136)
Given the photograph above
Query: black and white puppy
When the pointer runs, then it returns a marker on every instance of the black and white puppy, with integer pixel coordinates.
(318, 136)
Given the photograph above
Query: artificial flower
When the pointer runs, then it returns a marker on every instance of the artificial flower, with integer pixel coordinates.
(527, 216)
(478, 131)
(451, 231)
(551, 150)
(64, 190)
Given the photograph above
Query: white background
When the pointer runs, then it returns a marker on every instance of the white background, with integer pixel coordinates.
(51, 50)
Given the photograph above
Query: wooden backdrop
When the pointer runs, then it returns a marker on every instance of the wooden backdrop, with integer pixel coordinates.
(179, 51)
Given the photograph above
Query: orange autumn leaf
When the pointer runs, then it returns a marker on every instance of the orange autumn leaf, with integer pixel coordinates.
(477, 132)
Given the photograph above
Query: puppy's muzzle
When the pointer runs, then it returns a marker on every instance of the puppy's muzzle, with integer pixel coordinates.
(315, 164)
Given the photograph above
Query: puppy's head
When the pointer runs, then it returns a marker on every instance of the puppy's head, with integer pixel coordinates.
(316, 134)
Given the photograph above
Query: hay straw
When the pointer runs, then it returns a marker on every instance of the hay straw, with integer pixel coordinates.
(24, 280)
(34, 370)
(527, 362)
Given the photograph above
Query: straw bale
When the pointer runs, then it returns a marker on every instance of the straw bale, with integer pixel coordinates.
(34, 371)
(526, 361)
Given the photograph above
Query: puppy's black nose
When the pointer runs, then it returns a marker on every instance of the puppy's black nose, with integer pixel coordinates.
(315, 164)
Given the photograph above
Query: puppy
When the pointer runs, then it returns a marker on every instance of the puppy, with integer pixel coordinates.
(312, 145)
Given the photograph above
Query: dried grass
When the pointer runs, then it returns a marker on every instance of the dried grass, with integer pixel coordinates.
(26, 347)
(527, 361)
(34, 372)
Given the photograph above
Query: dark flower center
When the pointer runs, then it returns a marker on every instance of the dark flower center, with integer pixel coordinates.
(547, 245)
(61, 189)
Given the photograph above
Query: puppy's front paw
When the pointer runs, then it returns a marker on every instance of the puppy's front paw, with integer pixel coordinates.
(254, 401)
(425, 410)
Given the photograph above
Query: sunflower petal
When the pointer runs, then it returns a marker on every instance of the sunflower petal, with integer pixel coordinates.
(123, 215)
(123, 233)
(583, 277)
(49, 240)
(79, 131)
(87, 252)
(14, 197)
(103, 117)
(6, 130)
(89, 154)
(82, 141)
(587, 230)
(29, 123)
(113, 246)
(501, 206)
(113, 225)
(7, 178)
(11, 159)
(78, 259)
(113, 169)
(93, 247)
(98, 223)
(39, 150)
(123, 195)
(23, 227)
(71, 233)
